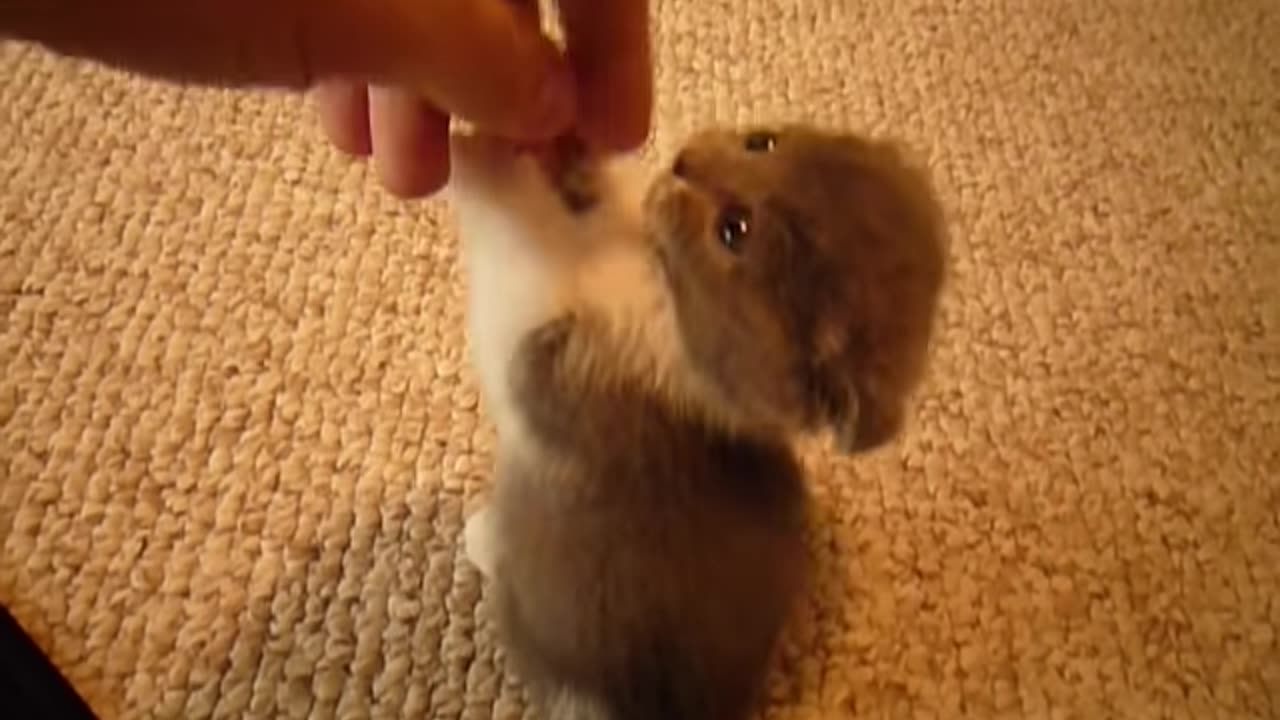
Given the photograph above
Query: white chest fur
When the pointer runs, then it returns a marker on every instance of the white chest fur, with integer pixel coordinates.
(529, 261)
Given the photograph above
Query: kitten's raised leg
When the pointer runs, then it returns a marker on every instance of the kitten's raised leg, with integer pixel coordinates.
(480, 541)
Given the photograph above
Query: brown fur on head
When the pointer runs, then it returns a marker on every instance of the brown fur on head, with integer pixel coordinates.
(806, 267)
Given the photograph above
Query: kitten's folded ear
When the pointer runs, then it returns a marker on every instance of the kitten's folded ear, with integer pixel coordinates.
(861, 414)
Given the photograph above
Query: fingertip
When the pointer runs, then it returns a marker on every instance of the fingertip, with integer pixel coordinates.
(553, 111)
(533, 100)
(617, 117)
(609, 48)
(617, 130)
(410, 144)
(343, 109)
(424, 177)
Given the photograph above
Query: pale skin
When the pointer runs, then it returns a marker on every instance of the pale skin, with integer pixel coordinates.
(386, 76)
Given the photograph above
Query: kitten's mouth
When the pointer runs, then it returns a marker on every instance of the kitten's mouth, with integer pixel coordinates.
(659, 207)
(671, 216)
(573, 171)
(690, 171)
(673, 207)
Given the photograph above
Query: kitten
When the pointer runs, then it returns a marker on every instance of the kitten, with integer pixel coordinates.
(648, 355)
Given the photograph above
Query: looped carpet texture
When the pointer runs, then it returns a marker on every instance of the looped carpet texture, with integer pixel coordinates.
(239, 437)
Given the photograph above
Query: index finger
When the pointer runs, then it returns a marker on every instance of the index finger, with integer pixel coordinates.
(608, 47)
(483, 60)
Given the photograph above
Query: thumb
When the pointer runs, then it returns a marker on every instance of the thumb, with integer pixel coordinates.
(609, 47)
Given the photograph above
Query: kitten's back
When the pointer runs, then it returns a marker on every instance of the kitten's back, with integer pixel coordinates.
(648, 560)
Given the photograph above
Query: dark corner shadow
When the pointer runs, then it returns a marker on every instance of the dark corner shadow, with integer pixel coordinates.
(29, 683)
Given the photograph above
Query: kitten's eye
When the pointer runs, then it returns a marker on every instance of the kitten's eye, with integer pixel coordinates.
(733, 226)
(760, 141)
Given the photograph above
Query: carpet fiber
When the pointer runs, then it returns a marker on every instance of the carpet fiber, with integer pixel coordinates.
(238, 436)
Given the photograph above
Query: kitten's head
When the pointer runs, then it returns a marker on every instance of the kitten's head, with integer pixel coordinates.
(805, 267)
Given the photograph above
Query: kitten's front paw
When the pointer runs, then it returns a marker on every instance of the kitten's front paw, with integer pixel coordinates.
(478, 541)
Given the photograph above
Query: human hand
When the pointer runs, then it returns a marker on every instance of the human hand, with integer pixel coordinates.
(387, 74)
(604, 89)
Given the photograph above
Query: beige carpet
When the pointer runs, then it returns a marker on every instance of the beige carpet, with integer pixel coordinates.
(238, 438)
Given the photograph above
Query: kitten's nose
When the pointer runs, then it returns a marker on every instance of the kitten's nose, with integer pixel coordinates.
(680, 168)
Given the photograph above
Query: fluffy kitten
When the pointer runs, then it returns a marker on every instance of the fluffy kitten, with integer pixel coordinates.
(648, 354)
